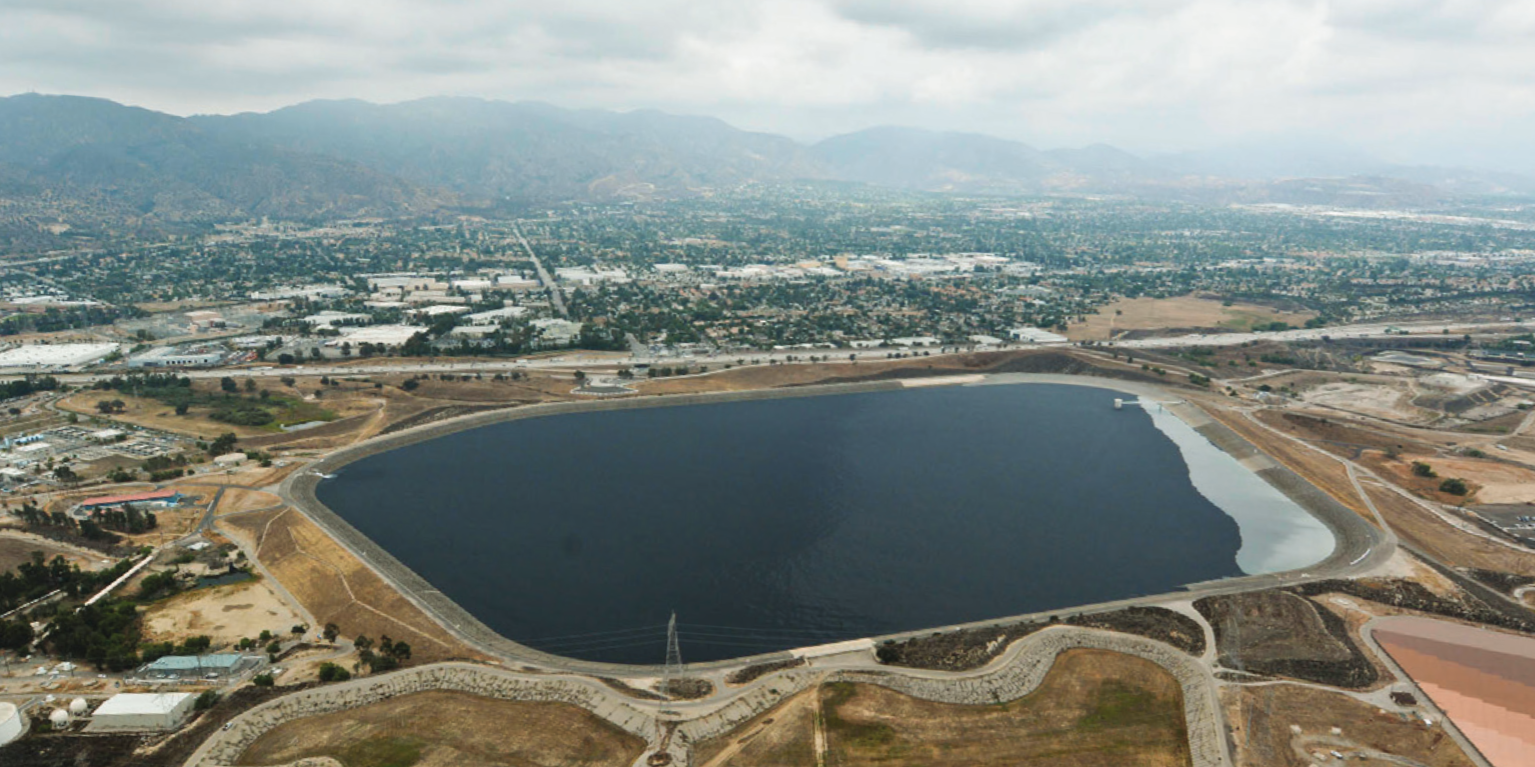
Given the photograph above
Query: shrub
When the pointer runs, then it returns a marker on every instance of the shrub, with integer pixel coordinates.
(1454, 486)
(1421, 469)
(330, 672)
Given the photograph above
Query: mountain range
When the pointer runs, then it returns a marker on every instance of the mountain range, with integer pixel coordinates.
(79, 164)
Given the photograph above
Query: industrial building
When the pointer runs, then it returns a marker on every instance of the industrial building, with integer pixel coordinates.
(143, 711)
(156, 498)
(54, 356)
(172, 357)
(192, 668)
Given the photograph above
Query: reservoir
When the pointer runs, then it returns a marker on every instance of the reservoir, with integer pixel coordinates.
(779, 523)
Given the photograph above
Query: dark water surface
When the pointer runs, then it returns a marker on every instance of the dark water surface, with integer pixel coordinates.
(779, 523)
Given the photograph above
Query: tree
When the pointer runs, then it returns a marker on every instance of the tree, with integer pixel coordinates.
(410, 384)
(228, 385)
(262, 680)
(206, 700)
(1454, 486)
(66, 475)
(224, 444)
(1421, 469)
(330, 632)
(250, 385)
(286, 359)
(182, 408)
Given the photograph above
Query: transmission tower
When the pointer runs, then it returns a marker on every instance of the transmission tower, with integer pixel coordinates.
(673, 655)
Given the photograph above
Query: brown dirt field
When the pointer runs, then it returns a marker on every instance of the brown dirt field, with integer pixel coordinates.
(1496, 482)
(1183, 312)
(1398, 471)
(336, 588)
(1338, 436)
(226, 614)
(1441, 540)
(14, 551)
(782, 736)
(444, 729)
(240, 499)
(1261, 718)
(1093, 708)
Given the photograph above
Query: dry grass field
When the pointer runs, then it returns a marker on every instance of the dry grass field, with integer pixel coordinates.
(1094, 708)
(444, 729)
(1443, 541)
(238, 499)
(1186, 312)
(782, 736)
(225, 614)
(336, 588)
(1262, 718)
(14, 551)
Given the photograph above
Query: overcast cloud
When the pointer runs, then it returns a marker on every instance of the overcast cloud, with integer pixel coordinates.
(1418, 80)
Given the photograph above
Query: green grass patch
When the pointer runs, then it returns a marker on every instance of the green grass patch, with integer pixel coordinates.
(382, 751)
(851, 734)
(1116, 704)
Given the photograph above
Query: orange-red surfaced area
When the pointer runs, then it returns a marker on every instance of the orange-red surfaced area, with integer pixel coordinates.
(1484, 681)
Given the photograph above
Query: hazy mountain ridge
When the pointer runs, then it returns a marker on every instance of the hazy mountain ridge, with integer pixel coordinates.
(135, 167)
(81, 163)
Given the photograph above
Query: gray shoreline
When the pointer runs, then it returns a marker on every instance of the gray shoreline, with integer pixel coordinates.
(1356, 539)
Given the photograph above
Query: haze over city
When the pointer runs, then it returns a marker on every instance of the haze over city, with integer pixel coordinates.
(1423, 82)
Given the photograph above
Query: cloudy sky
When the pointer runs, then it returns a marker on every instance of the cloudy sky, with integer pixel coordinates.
(1416, 80)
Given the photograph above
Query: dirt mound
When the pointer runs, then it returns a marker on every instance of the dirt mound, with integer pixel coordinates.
(1276, 633)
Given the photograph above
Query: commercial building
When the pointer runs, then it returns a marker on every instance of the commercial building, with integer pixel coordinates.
(495, 316)
(389, 336)
(142, 711)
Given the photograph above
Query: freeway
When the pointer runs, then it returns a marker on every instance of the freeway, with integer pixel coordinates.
(576, 360)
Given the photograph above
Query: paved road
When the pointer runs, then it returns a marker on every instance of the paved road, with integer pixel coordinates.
(543, 274)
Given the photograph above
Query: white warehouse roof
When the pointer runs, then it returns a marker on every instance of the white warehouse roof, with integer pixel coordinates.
(55, 355)
(140, 703)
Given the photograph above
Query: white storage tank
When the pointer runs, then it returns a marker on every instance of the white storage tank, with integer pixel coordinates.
(78, 707)
(59, 719)
(10, 723)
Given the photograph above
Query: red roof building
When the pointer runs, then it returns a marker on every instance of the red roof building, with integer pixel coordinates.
(156, 496)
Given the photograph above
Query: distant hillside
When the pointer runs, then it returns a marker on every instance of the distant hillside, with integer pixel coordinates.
(526, 151)
(95, 162)
(74, 167)
(919, 159)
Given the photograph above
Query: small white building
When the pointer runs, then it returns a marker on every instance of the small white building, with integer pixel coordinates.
(229, 460)
(143, 711)
(1036, 336)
